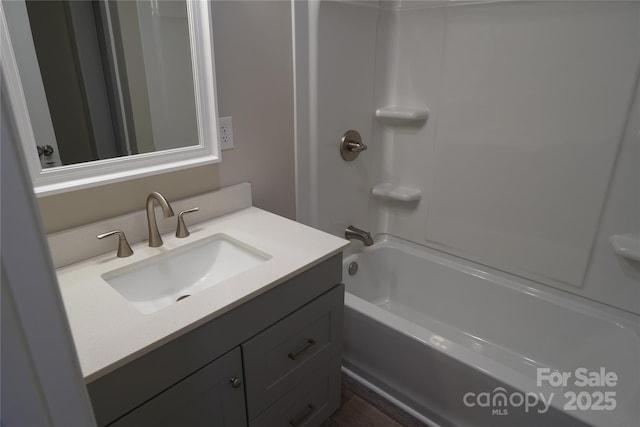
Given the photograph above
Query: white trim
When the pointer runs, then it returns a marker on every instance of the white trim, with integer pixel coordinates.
(90, 174)
(303, 50)
(41, 379)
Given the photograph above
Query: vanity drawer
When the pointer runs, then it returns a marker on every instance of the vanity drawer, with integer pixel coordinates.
(289, 352)
(307, 405)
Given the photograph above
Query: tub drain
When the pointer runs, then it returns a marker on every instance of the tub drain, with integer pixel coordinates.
(353, 268)
(183, 297)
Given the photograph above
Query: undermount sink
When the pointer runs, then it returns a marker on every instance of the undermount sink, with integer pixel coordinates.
(165, 279)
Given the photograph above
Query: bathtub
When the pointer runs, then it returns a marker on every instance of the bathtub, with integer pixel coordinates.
(458, 344)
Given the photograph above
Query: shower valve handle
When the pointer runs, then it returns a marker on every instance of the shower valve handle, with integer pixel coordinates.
(351, 145)
(356, 146)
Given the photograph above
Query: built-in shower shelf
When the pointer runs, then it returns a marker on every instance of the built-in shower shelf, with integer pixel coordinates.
(626, 245)
(396, 192)
(402, 114)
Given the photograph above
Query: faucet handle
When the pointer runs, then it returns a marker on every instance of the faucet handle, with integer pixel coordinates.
(182, 231)
(124, 250)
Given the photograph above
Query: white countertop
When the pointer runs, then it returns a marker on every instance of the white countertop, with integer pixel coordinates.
(109, 331)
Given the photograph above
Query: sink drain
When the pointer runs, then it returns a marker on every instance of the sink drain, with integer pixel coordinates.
(183, 297)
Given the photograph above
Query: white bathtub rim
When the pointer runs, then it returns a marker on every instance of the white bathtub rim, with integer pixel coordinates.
(500, 370)
(497, 362)
(548, 293)
(490, 366)
(620, 320)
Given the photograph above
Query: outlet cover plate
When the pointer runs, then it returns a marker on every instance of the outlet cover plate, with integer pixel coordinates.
(226, 132)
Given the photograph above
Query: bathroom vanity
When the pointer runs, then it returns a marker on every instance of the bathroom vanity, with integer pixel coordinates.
(260, 348)
(288, 341)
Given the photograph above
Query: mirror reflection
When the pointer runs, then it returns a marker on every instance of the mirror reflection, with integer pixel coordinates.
(105, 79)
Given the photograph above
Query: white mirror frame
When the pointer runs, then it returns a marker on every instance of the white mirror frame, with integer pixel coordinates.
(90, 174)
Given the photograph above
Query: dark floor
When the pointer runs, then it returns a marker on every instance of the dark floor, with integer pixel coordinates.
(361, 407)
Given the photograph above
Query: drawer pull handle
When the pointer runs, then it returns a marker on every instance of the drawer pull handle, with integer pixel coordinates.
(235, 382)
(310, 343)
(310, 410)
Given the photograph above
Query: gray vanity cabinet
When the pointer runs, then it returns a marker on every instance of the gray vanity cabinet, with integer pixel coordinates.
(282, 348)
(211, 396)
(292, 367)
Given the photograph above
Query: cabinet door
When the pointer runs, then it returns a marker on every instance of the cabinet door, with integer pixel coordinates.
(208, 397)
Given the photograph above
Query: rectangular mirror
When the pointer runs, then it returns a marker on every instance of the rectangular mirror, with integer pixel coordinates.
(109, 90)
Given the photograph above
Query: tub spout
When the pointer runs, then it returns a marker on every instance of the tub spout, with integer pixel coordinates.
(355, 233)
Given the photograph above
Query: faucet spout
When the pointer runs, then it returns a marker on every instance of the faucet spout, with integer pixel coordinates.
(154, 235)
(355, 233)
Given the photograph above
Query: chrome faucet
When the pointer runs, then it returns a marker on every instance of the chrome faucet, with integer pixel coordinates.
(355, 233)
(154, 235)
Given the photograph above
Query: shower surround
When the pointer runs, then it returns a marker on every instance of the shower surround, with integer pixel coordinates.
(503, 135)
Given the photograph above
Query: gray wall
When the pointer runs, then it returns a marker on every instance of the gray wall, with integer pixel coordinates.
(255, 85)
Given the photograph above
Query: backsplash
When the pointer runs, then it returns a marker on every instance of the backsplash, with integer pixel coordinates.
(79, 243)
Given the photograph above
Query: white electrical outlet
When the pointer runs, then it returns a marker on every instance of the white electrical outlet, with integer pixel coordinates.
(226, 133)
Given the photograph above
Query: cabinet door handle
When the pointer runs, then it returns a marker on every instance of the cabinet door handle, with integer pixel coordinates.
(304, 417)
(310, 344)
(235, 382)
